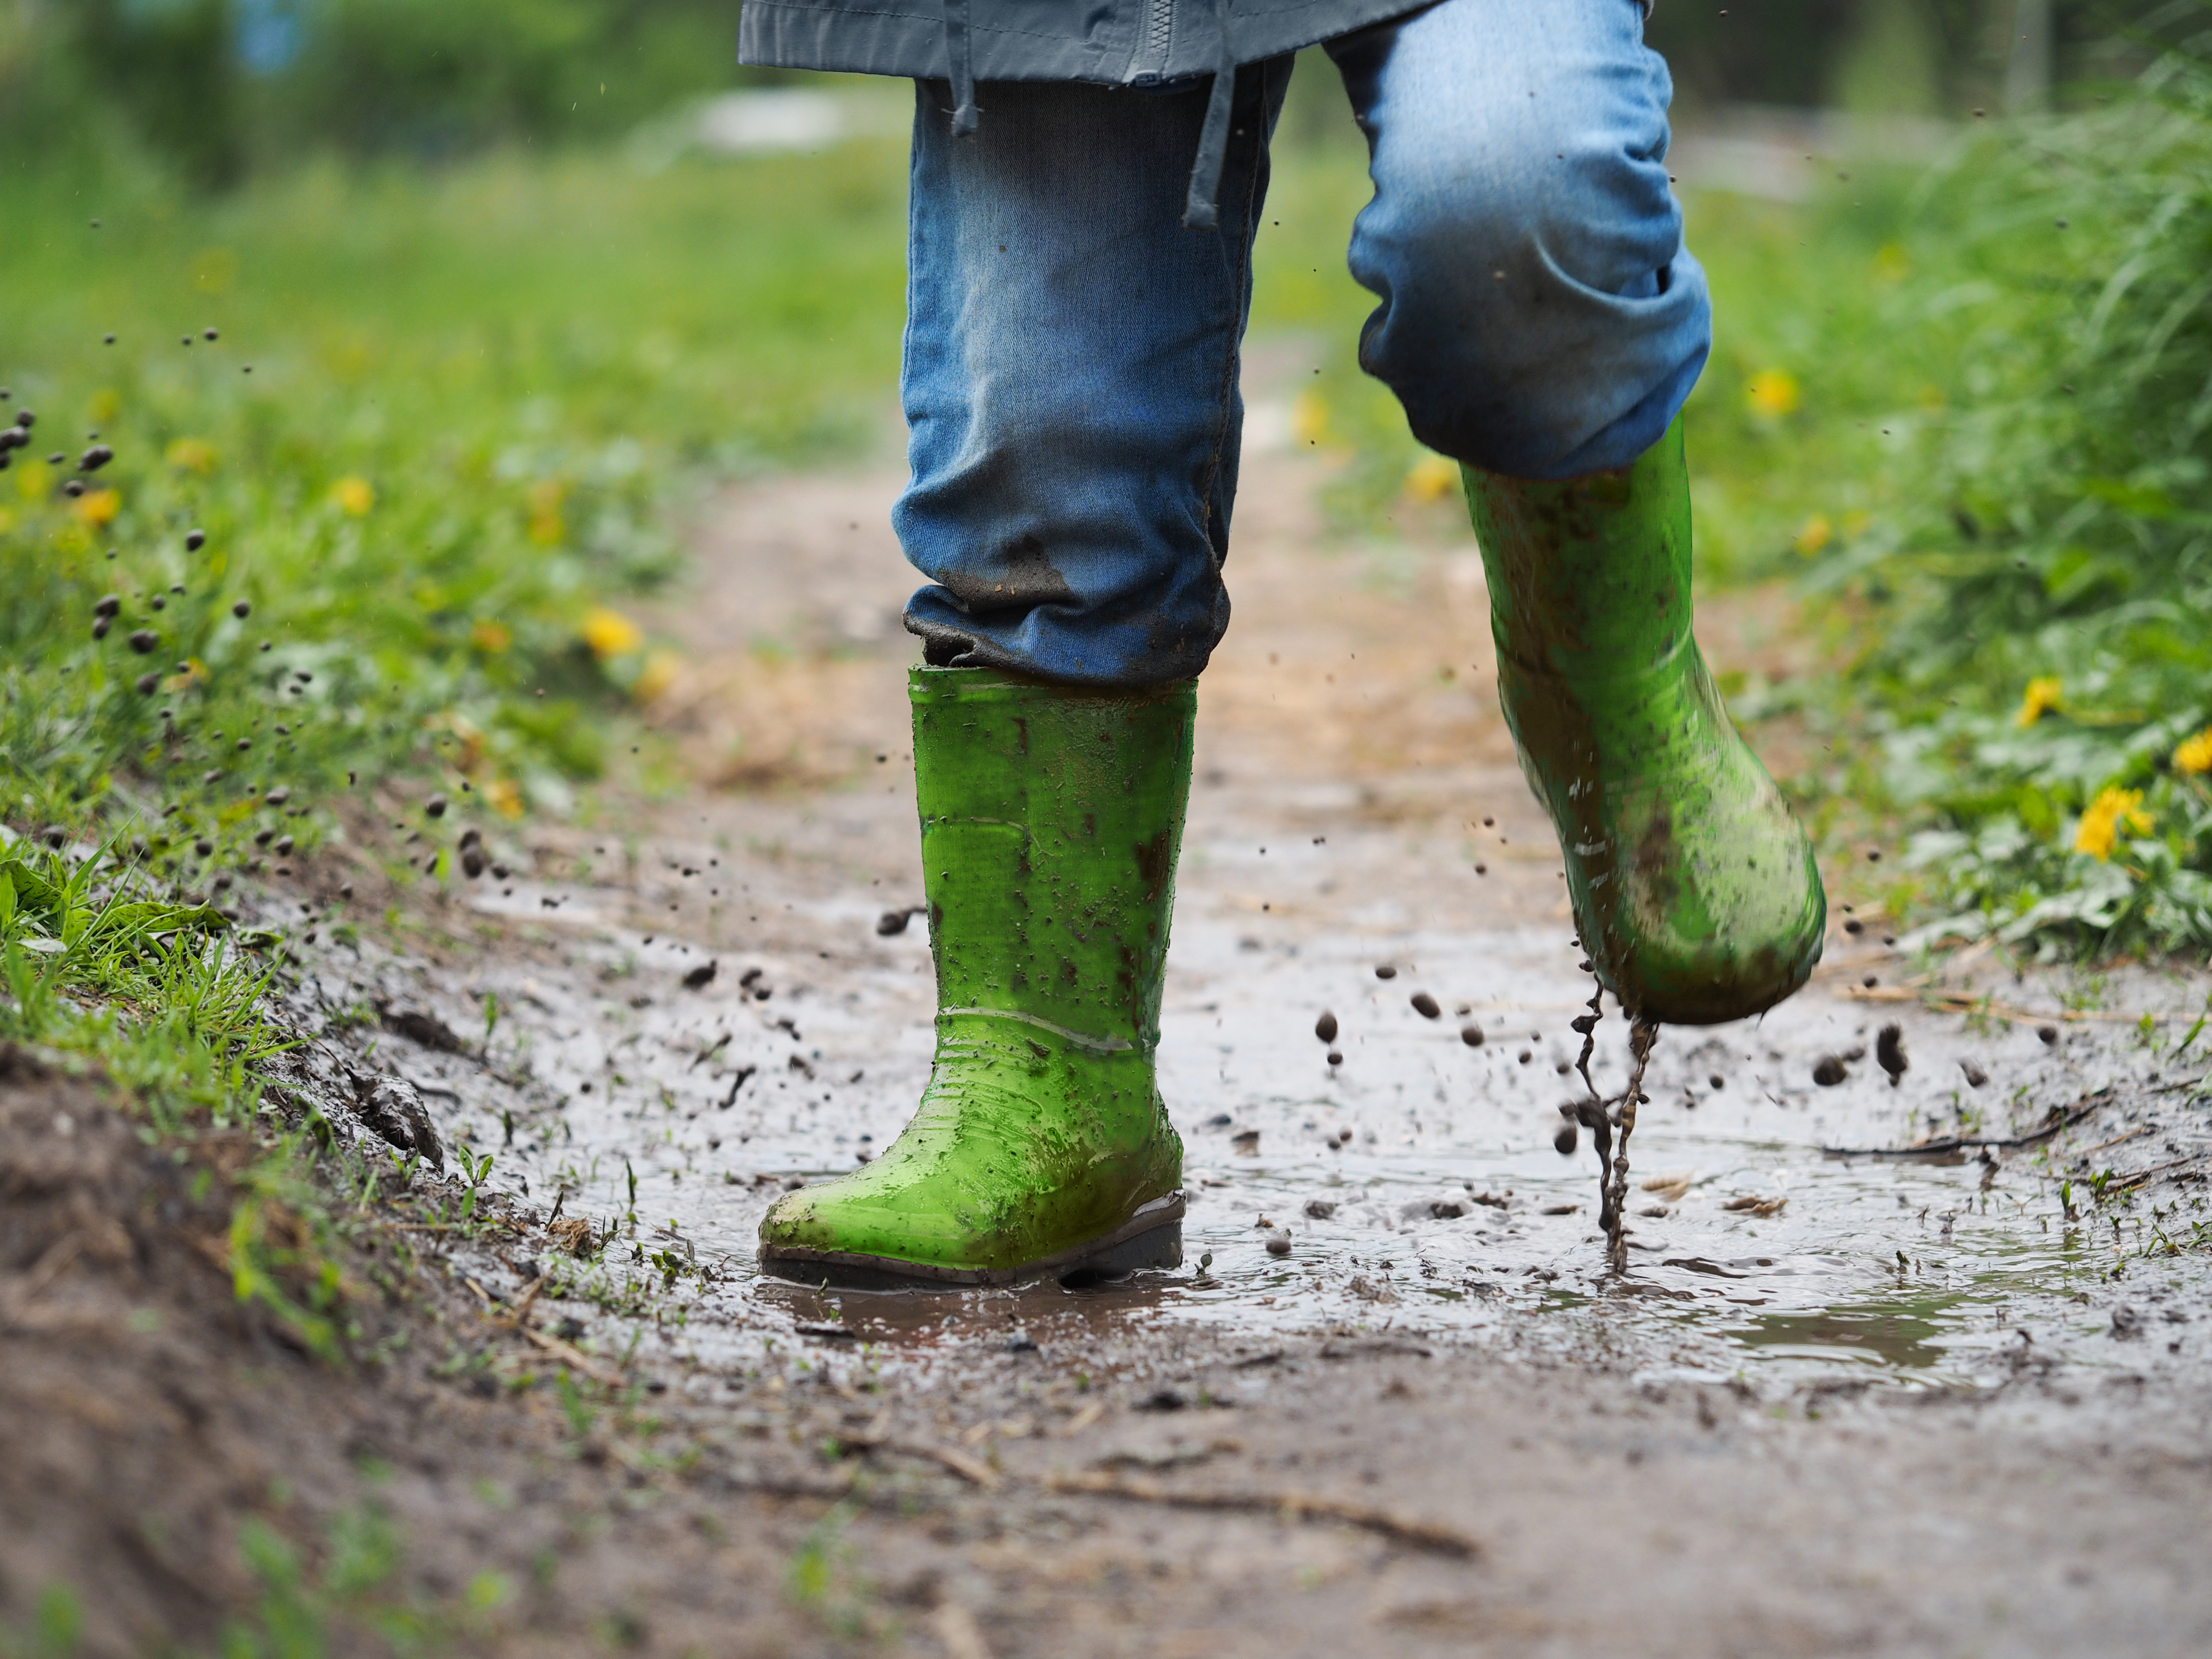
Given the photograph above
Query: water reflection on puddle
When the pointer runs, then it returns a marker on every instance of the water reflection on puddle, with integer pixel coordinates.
(1417, 1181)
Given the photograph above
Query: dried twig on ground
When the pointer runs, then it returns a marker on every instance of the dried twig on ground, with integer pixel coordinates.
(1290, 1505)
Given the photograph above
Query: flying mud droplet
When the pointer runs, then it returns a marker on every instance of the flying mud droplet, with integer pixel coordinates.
(241, 609)
(144, 641)
(472, 862)
(195, 540)
(100, 626)
(1384, 970)
(95, 459)
(2048, 1034)
(702, 976)
(1325, 1027)
(1245, 1143)
(1334, 1058)
(1565, 1141)
(1828, 1071)
(1975, 1077)
(1471, 1035)
(149, 683)
(435, 807)
(1889, 1053)
(1425, 1006)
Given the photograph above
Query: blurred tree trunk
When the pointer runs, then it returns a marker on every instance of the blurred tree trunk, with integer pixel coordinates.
(2027, 61)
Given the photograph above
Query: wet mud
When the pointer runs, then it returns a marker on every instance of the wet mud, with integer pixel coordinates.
(1835, 1398)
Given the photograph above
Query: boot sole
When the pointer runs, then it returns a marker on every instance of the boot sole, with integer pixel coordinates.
(1152, 1238)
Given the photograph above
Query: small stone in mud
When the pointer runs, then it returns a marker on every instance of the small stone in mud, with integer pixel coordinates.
(1325, 1027)
(1889, 1053)
(2048, 1034)
(1447, 1209)
(1384, 970)
(1828, 1071)
(1558, 1209)
(1471, 1035)
(1975, 1077)
(1564, 1142)
(1246, 1142)
(1320, 1209)
(1425, 1006)
(1278, 1243)
(1020, 1342)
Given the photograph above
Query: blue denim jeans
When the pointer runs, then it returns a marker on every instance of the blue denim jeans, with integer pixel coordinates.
(1071, 352)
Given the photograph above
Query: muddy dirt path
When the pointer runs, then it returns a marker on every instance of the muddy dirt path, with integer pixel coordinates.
(1393, 1402)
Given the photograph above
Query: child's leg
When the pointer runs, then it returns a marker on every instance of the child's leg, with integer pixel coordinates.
(1071, 383)
(1540, 315)
(1071, 378)
(1542, 323)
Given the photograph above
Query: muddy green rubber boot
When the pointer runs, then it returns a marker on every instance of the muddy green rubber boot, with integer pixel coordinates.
(1050, 822)
(1692, 883)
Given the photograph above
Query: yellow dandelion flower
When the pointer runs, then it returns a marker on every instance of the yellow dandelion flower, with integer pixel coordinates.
(658, 674)
(1817, 534)
(191, 455)
(1773, 392)
(610, 634)
(97, 509)
(1308, 418)
(2195, 755)
(2113, 811)
(2041, 697)
(1433, 478)
(354, 496)
(506, 798)
(490, 636)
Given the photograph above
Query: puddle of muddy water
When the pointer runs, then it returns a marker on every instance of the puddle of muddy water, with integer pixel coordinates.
(1416, 1180)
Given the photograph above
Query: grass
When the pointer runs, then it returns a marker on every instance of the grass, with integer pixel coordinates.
(474, 402)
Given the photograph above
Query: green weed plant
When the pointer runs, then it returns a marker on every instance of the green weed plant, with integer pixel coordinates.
(2037, 593)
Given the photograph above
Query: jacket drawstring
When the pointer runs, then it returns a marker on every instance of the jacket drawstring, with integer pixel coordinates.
(1200, 210)
(965, 116)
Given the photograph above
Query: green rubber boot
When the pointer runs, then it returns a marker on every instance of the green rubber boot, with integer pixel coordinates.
(1692, 883)
(1050, 821)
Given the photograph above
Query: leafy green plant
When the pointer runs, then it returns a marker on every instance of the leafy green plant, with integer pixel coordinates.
(2039, 592)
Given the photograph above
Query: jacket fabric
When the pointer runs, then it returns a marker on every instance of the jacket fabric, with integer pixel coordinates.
(1113, 42)
(1135, 43)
